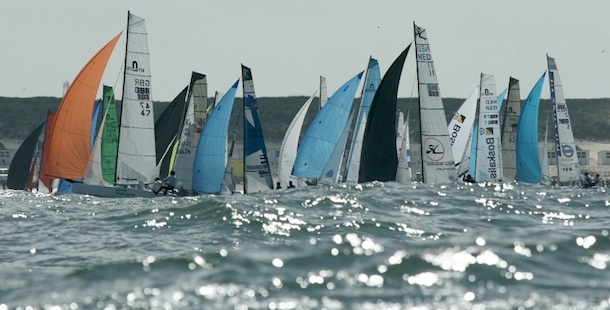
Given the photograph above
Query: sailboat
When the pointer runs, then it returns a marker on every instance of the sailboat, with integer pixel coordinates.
(372, 79)
(257, 173)
(19, 170)
(211, 154)
(568, 170)
(509, 130)
(324, 133)
(489, 154)
(70, 149)
(528, 159)
(167, 126)
(193, 121)
(437, 156)
(289, 147)
(379, 160)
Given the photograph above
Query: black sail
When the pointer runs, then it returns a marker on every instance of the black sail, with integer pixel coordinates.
(19, 170)
(167, 127)
(379, 161)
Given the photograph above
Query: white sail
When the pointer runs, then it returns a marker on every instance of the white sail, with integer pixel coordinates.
(568, 169)
(288, 150)
(323, 92)
(489, 154)
(93, 172)
(136, 161)
(403, 173)
(460, 127)
(437, 156)
(546, 174)
(509, 130)
(400, 126)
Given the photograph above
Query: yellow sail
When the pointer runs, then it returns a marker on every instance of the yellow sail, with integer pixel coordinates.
(70, 145)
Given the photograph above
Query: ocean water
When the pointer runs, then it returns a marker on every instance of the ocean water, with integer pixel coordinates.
(372, 246)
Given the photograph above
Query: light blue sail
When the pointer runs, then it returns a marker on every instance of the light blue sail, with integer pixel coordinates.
(529, 168)
(324, 132)
(472, 163)
(210, 157)
(94, 120)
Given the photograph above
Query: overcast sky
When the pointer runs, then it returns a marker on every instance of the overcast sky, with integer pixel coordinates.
(289, 44)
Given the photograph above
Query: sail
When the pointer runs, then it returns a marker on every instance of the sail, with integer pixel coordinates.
(372, 79)
(210, 157)
(567, 160)
(110, 136)
(257, 173)
(545, 173)
(332, 170)
(167, 127)
(136, 161)
(45, 182)
(460, 127)
(187, 145)
(19, 169)
(400, 125)
(528, 159)
(71, 139)
(403, 172)
(437, 156)
(379, 160)
(199, 100)
(106, 140)
(228, 186)
(489, 156)
(472, 158)
(325, 131)
(323, 92)
(288, 150)
(509, 130)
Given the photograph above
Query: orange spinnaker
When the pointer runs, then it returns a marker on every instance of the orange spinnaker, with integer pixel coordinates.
(70, 145)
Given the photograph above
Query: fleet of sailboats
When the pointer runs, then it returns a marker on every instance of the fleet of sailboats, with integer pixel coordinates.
(344, 143)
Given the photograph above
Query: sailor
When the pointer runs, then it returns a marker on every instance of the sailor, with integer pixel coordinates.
(170, 181)
(290, 185)
(278, 185)
(157, 185)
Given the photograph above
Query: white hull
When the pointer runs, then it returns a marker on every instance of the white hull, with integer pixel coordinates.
(111, 191)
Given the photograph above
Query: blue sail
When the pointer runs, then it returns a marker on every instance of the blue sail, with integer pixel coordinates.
(210, 157)
(324, 132)
(472, 163)
(529, 168)
(94, 120)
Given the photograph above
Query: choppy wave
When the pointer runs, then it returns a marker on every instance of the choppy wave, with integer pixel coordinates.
(371, 246)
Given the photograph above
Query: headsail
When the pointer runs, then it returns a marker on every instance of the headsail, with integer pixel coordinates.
(71, 139)
(288, 150)
(210, 156)
(379, 160)
(528, 158)
(437, 156)
(18, 171)
(325, 131)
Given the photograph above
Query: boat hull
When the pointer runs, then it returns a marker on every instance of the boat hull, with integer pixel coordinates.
(110, 191)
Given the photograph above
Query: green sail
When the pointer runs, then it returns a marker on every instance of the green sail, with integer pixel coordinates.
(110, 136)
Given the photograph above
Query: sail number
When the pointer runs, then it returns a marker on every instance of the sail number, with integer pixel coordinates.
(145, 108)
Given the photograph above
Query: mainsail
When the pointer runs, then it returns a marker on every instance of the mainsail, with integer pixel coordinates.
(45, 182)
(567, 160)
(403, 172)
(489, 155)
(257, 173)
(70, 144)
(379, 160)
(211, 154)
(325, 131)
(136, 161)
(528, 158)
(509, 130)
(437, 156)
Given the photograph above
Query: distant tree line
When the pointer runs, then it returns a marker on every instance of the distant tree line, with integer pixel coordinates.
(590, 117)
